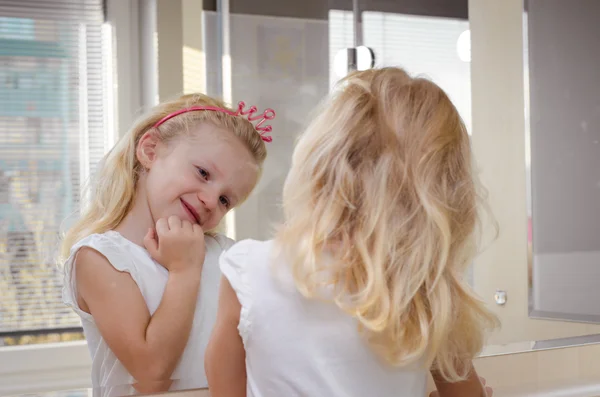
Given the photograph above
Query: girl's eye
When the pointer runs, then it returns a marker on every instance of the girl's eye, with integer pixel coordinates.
(203, 173)
(224, 201)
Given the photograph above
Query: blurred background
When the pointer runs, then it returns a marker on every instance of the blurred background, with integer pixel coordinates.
(75, 74)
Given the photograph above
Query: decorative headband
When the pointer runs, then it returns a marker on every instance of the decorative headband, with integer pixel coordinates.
(268, 114)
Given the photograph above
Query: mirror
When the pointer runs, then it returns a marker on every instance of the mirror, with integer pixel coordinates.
(265, 53)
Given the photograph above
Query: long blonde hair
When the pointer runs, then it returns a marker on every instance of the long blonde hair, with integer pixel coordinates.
(115, 183)
(382, 207)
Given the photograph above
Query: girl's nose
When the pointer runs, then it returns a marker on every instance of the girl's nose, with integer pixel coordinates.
(210, 199)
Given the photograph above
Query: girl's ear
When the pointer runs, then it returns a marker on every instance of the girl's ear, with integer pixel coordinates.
(146, 150)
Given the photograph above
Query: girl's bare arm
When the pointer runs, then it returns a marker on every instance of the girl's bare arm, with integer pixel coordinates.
(149, 347)
(473, 386)
(225, 359)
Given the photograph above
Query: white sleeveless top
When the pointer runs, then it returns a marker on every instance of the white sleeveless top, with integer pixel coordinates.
(299, 347)
(109, 376)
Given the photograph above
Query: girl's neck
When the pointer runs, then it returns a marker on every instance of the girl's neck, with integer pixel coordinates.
(136, 223)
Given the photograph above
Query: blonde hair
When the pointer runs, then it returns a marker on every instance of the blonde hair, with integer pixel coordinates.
(114, 186)
(381, 207)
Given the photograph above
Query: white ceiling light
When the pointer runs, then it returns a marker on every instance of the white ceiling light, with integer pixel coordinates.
(463, 46)
(340, 63)
(365, 59)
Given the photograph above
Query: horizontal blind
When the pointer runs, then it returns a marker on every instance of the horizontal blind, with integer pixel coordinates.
(76, 11)
(53, 129)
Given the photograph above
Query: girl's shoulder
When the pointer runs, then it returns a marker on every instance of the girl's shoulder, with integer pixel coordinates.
(111, 240)
(120, 252)
(249, 246)
(248, 251)
(246, 267)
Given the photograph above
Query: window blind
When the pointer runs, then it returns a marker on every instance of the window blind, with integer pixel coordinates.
(55, 125)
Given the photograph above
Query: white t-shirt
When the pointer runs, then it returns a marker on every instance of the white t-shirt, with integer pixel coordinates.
(109, 376)
(300, 347)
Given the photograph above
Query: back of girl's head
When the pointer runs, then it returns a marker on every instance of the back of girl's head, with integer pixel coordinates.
(113, 188)
(382, 182)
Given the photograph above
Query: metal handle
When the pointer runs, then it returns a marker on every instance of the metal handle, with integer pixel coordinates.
(500, 297)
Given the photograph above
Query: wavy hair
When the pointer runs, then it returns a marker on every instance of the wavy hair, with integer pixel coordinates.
(382, 207)
(114, 185)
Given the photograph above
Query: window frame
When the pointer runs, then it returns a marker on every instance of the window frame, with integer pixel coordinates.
(44, 367)
(67, 365)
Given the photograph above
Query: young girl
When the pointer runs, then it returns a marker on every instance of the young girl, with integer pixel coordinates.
(141, 272)
(362, 292)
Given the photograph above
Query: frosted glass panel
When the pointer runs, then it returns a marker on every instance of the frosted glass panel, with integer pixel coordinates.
(281, 63)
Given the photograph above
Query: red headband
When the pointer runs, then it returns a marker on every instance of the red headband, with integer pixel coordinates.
(268, 114)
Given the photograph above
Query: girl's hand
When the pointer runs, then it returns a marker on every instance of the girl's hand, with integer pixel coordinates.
(152, 387)
(489, 391)
(176, 244)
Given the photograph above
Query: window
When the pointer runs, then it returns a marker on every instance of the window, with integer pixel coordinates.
(56, 117)
(429, 46)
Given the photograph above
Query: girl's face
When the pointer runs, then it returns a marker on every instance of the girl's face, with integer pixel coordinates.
(198, 177)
